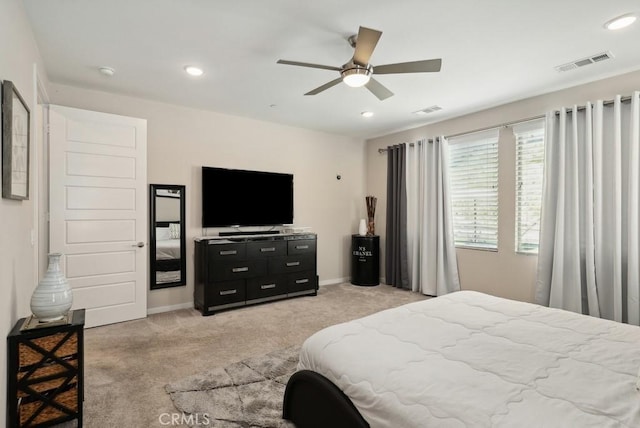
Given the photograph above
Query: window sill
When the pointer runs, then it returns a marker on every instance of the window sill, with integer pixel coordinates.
(468, 247)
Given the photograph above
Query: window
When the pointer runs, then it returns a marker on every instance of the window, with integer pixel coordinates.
(473, 164)
(529, 174)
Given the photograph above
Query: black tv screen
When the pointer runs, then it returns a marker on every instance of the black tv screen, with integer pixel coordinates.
(233, 197)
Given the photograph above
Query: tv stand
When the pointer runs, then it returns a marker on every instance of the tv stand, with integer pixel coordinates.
(239, 271)
(256, 232)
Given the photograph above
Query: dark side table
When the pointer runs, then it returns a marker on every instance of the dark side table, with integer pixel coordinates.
(365, 260)
(45, 373)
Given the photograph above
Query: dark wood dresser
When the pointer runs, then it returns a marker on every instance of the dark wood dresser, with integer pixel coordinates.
(239, 271)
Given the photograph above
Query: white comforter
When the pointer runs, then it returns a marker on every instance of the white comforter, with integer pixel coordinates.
(167, 249)
(472, 360)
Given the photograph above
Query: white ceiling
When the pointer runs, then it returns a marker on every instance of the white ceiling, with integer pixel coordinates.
(493, 52)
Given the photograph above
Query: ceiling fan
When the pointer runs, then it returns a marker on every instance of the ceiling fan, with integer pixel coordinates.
(357, 72)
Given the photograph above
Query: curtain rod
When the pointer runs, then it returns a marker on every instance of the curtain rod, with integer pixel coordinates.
(501, 125)
(505, 124)
(606, 103)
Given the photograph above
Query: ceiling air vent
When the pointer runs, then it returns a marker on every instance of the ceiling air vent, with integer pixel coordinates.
(585, 61)
(428, 110)
(601, 57)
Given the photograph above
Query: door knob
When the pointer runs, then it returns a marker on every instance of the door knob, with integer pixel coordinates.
(139, 244)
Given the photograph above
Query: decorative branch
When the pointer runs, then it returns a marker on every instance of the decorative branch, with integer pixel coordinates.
(371, 213)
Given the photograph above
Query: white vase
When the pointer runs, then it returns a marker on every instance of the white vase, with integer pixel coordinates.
(52, 298)
(362, 229)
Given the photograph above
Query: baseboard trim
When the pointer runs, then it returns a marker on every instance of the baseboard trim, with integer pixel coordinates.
(160, 309)
(333, 281)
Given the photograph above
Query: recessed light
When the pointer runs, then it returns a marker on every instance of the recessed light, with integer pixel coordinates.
(367, 113)
(193, 71)
(107, 71)
(620, 22)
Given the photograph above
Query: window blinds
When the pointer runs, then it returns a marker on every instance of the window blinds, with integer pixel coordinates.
(529, 175)
(473, 166)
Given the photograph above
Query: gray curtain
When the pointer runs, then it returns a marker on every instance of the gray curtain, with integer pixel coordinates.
(396, 264)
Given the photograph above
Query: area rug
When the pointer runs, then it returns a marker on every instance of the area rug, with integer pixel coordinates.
(246, 394)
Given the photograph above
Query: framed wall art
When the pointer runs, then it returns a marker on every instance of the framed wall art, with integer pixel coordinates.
(15, 143)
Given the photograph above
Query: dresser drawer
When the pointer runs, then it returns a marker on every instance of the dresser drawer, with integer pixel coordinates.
(258, 288)
(240, 269)
(292, 264)
(301, 246)
(302, 281)
(223, 293)
(233, 251)
(266, 249)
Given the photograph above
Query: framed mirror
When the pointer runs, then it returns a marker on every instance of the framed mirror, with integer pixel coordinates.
(167, 249)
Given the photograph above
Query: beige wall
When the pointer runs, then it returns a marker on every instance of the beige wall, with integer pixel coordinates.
(182, 140)
(502, 273)
(18, 53)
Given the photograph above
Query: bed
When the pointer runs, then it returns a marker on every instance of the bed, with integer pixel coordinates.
(167, 249)
(468, 360)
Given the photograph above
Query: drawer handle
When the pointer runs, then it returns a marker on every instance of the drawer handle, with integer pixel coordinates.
(302, 247)
(267, 286)
(302, 281)
(267, 249)
(289, 264)
(228, 252)
(240, 269)
(228, 292)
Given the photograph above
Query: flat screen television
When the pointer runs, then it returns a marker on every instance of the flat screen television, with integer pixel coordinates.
(233, 197)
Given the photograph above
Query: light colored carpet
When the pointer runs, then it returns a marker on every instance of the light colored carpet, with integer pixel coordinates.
(127, 365)
(246, 393)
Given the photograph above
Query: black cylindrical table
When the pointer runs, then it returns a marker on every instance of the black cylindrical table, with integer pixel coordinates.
(365, 260)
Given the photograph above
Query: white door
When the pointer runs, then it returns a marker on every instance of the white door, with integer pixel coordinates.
(98, 210)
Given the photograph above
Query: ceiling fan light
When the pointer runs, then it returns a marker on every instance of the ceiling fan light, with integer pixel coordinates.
(356, 80)
(356, 77)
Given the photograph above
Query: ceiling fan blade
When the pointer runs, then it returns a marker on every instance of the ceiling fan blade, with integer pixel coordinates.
(428, 65)
(307, 64)
(365, 44)
(378, 89)
(325, 86)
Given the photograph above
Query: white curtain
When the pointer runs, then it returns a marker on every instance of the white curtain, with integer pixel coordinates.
(589, 259)
(433, 268)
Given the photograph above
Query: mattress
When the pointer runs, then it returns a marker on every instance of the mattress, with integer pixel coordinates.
(472, 360)
(168, 249)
